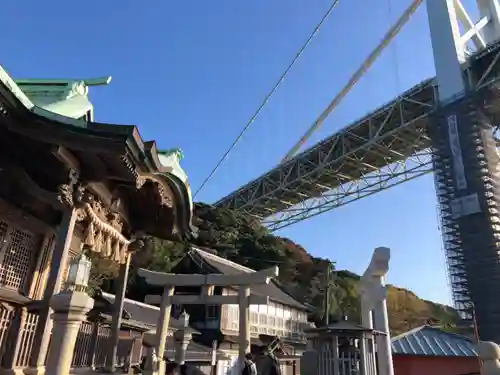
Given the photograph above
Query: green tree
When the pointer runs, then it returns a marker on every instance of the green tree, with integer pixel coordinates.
(242, 239)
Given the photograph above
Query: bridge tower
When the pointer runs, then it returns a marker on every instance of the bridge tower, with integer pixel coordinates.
(466, 163)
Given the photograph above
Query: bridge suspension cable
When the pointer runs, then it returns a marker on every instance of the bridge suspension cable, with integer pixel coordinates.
(267, 98)
(367, 63)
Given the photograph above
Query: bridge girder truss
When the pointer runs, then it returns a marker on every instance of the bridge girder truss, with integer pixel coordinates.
(369, 184)
(381, 150)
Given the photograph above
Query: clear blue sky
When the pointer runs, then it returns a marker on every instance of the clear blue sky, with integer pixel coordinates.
(190, 74)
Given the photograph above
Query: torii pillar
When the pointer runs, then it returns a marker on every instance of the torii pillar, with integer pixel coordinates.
(243, 281)
(374, 306)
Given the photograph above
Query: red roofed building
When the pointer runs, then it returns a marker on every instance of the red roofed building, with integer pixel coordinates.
(431, 351)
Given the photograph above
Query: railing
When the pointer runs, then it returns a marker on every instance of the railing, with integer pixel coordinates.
(129, 351)
(85, 346)
(29, 323)
(101, 348)
(17, 333)
(92, 345)
(345, 363)
(6, 317)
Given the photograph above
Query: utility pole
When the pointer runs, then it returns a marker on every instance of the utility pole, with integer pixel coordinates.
(327, 293)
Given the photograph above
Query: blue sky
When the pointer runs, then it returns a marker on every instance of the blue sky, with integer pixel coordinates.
(191, 73)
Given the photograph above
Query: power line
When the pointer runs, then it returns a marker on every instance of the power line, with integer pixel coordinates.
(268, 96)
(367, 63)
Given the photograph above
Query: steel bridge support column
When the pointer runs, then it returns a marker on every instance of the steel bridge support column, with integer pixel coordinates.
(491, 10)
(465, 163)
(468, 193)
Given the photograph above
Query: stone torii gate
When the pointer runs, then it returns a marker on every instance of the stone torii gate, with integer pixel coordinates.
(244, 281)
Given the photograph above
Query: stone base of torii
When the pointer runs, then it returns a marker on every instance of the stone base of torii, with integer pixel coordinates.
(243, 281)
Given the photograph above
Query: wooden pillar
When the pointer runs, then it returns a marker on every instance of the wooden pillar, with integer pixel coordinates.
(37, 280)
(59, 257)
(244, 339)
(162, 326)
(117, 315)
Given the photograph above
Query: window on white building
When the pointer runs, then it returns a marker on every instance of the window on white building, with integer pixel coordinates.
(271, 320)
(262, 319)
(254, 318)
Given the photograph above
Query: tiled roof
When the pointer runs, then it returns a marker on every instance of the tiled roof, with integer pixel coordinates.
(228, 267)
(432, 341)
(142, 312)
(339, 326)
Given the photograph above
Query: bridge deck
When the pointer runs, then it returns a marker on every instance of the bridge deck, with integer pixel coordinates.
(388, 146)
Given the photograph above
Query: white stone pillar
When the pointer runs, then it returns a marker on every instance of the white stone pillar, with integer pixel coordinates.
(384, 350)
(366, 311)
(244, 323)
(362, 355)
(162, 327)
(70, 309)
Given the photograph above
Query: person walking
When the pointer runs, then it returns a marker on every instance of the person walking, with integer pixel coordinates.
(249, 366)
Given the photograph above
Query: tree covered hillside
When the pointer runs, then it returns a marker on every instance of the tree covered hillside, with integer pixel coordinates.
(244, 240)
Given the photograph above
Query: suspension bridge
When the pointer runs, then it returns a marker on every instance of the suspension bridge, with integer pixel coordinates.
(444, 125)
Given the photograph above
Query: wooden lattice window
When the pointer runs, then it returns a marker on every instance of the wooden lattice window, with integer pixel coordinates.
(16, 252)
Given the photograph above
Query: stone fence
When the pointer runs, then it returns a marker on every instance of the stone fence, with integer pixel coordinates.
(85, 341)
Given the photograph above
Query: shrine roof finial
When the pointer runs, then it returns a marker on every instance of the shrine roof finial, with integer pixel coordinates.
(177, 152)
(170, 161)
(99, 81)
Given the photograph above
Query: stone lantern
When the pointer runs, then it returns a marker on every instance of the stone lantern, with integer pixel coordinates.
(79, 274)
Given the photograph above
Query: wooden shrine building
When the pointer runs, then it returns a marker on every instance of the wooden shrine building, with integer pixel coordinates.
(69, 184)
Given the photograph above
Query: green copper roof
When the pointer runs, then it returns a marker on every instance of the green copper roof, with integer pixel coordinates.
(67, 97)
(45, 97)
